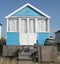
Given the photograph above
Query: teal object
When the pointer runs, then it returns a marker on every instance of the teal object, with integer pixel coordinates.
(41, 37)
(12, 38)
(27, 11)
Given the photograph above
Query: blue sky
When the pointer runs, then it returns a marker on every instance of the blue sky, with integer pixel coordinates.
(50, 7)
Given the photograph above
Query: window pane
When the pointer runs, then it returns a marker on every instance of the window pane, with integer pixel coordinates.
(42, 25)
(46, 25)
(32, 25)
(39, 25)
(24, 25)
(17, 25)
(13, 25)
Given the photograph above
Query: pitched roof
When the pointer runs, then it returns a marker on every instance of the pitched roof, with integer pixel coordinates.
(57, 31)
(31, 7)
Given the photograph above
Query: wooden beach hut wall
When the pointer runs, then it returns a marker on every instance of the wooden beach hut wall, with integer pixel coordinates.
(27, 25)
(57, 37)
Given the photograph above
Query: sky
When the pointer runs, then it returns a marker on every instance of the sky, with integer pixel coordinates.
(50, 7)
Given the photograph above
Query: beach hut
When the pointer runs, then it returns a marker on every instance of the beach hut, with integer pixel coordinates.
(57, 37)
(27, 26)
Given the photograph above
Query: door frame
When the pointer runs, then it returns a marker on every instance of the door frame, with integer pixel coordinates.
(28, 33)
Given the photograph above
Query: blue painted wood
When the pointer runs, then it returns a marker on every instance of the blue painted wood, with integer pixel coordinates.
(42, 37)
(12, 38)
(27, 11)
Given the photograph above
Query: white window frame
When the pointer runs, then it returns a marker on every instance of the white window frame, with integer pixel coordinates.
(11, 28)
(43, 25)
(28, 28)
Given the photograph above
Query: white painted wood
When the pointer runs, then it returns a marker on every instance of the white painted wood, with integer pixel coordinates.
(48, 25)
(20, 25)
(32, 26)
(36, 25)
(23, 39)
(24, 25)
(39, 26)
(43, 26)
(19, 30)
(31, 17)
(23, 34)
(27, 25)
(27, 31)
(15, 21)
(30, 37)
(7, 26)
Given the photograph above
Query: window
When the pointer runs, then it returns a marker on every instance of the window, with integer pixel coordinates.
(41, 25)
(13, 25)
(24, 25)
(28, 25)
(32, 25)
(47, 26)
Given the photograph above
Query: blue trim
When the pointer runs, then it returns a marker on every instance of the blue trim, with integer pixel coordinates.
(27, 11)
(12, 38)
(42, 37)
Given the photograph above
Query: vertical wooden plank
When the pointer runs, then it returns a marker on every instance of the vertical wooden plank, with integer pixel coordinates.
(47, 53)
(7, 26)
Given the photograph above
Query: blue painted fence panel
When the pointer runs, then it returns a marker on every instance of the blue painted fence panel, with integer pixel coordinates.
(41, 37)
(12, 38)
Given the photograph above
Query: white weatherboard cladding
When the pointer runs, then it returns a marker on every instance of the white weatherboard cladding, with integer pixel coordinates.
(48, 25)
(0, 31)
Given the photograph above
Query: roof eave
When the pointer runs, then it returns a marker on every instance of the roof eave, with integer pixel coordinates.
(57, 31)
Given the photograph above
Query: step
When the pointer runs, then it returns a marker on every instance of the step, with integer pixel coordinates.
(24, 47)
(26, 62)
(24, 58)
(24, 54)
